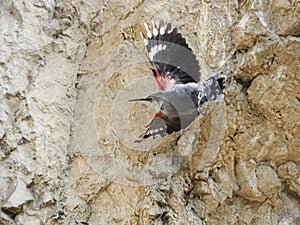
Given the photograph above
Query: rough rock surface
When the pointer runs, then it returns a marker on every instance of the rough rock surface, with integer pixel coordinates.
(68, 153)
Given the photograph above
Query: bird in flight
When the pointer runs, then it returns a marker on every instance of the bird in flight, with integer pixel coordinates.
(177, 72)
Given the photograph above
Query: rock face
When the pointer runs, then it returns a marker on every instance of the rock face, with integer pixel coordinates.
(68, 149)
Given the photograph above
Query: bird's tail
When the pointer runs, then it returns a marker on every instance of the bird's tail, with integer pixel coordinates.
(214, 88)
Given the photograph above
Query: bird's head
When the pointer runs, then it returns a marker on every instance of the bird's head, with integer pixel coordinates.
(164, 105)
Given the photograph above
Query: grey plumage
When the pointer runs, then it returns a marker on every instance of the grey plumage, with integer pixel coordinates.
(176, 70)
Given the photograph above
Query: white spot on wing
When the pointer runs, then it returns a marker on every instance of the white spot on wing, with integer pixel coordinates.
(149, 34)
(155, 49)
(151, 56)
(155, 31)
(161, 28)
(169, 28)
(145, 40)
(159, 47)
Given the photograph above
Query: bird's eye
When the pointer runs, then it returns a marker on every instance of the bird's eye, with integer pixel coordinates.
(162, 107)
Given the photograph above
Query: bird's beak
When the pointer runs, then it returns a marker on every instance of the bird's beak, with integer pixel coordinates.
(141, 99)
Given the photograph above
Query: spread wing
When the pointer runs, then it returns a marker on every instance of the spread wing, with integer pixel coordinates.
(156, 127)
(172, 59)
(162, 126)
(177, 111)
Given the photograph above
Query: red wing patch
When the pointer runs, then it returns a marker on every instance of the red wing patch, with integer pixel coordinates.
(163, 80)
(156, 127)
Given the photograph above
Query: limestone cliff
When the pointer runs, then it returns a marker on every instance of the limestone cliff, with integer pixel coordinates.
(68, 150)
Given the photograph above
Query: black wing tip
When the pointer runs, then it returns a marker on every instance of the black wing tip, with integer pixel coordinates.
(164, 33)
(168, 51)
